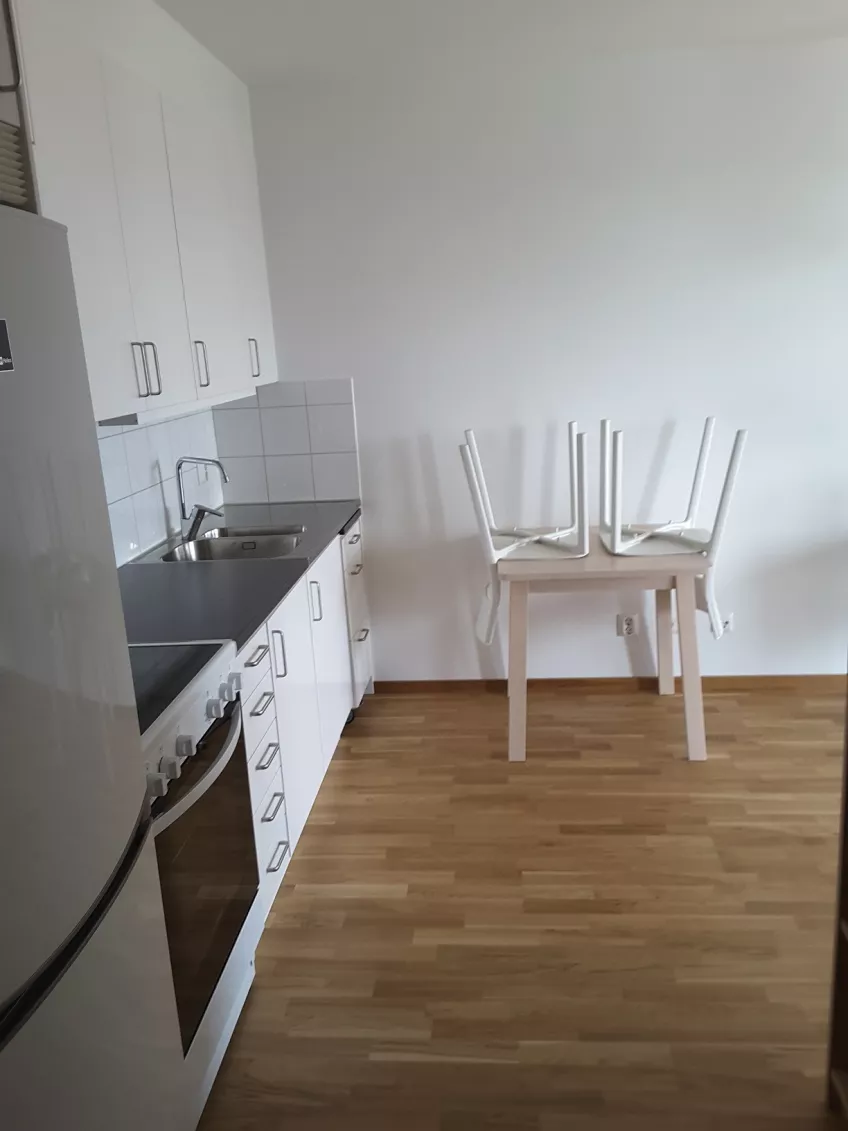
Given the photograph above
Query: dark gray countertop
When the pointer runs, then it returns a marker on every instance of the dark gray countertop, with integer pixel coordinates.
(169, 602)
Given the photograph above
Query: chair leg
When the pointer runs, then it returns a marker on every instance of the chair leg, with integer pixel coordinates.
(665, 643)
(693, 702)
(517, 673)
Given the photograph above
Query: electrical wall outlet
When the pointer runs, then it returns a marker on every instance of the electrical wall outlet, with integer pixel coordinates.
(627, 624)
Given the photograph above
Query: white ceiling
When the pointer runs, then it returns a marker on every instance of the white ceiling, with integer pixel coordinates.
(273, 40)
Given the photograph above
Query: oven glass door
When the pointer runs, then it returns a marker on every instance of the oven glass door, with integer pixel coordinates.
(207, 865)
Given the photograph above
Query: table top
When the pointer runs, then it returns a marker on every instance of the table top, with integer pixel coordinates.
(543, 563)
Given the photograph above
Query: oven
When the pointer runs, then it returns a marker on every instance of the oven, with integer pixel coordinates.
(205, 847)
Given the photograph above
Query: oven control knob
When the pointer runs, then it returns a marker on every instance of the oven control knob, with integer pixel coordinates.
(215, 709)
(185, 745)
(157, 785)
(235, 683)
(170, 766)
(227, 693)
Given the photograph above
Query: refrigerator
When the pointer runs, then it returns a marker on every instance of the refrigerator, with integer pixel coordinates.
(89, 1037)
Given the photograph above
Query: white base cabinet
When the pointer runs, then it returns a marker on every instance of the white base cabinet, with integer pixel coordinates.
(358, 614)
(298, 717)
(332, 649)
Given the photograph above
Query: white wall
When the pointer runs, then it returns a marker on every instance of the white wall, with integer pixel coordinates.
(533, 229)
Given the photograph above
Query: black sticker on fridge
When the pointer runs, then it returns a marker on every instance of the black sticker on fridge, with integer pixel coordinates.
(7, 363)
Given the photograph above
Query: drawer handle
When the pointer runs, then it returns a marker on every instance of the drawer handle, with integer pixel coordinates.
(320, 617)
(275, 632)
(282, 848)
(276, 802)
(362, 636)
(354, 539)
(258, 656)
(268, 697)
(268, 757)
(357, 569)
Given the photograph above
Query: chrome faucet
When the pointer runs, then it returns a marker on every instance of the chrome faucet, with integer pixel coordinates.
(198, 512)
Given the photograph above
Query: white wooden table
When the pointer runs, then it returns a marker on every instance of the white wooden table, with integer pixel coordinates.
(538, 569)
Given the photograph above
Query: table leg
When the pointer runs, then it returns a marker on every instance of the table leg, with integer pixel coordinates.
(693, 702)
(665, 643)
(517, 670)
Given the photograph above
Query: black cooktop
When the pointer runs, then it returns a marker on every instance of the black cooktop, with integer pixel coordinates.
(161, 672)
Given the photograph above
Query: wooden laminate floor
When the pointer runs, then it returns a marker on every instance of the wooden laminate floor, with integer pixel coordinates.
(605, 937)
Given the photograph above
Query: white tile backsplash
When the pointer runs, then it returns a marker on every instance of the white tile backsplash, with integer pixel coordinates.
(331, 428)
(247, 480)
(113, 460)
(124, 530)
(150, 516)
(290, 479)
(281, 394)
(336, 476)
(285, 431)
(238, 433)
(306, 446)
(139, 470)
(140, 461)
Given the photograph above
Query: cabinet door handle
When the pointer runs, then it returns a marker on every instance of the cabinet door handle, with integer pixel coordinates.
(282, 655)
(138, 351)
(282, 848)
(255, 363)
(354, 539)
(258, 656)
(152, 345)
(320, 602)
(362, 636)
(357, 569)
(276, 802)
(268, 757)
(266, 699)
(202, 364)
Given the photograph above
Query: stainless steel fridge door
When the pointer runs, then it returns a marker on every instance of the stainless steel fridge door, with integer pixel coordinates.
(103, 1051)
(73, 780)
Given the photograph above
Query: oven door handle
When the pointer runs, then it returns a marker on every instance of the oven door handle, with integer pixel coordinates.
(166, 819)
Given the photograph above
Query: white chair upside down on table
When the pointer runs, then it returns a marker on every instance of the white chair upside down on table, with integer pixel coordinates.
(670, 538)
(568, 541)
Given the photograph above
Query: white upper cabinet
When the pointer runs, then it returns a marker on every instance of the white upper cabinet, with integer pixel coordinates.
(162, 213)
(76, 187)
(252, 270)
(207, 240)
(162, 347)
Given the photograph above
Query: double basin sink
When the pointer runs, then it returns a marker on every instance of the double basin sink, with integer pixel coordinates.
(231, 543)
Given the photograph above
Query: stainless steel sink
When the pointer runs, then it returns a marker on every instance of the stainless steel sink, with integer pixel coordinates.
(238, 542)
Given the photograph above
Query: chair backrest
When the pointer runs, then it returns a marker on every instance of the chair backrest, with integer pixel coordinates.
(727, 493)
(700, 471)
(477, 465)
(484, 525)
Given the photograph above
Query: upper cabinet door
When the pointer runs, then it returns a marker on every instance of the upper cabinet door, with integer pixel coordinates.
(205, 231)
(256, 316)
(76, 187)
(150, 237)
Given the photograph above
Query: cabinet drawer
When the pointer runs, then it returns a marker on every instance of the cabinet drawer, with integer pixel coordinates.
(362, 664)
(352, 546)
(263, 764)
(357, 603)
(259, 712)
(272, 841)
(254, 660)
